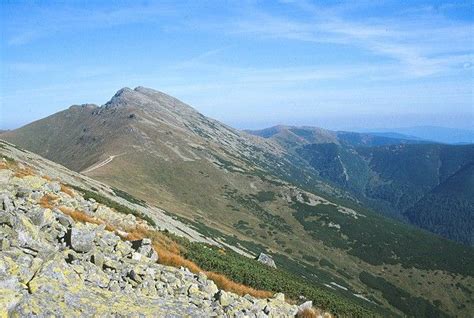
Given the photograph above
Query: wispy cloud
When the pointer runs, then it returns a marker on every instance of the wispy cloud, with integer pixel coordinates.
(422, 41)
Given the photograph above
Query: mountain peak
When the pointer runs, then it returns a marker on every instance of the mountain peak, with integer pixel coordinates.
(139, 96)
(149, 99)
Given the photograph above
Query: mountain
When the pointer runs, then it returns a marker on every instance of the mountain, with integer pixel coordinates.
(433, 133)
(70, 247)
(259, 195)
(391, 175)
(292, 136)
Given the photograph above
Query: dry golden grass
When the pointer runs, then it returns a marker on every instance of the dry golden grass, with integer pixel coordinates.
(47, 201)
(176, 260)
(224, 283)
(80, 216)
(137, 233)
(67, 190)
(307, 313)
(7, 164)
(47, 178)
(23, 172)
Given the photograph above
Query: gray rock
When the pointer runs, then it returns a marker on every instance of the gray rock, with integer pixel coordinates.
(23, 192)
(42, 217)
(306, 305)
(144, 248)
(5, 203)
(224, 298)
(82, 239)
(54, 186)
(266, 259)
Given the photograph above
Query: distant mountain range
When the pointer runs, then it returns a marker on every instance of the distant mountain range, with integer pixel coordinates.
(305, 195)
(428, 133)
(392, 174)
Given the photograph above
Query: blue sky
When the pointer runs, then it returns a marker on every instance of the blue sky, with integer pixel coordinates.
(251, 64)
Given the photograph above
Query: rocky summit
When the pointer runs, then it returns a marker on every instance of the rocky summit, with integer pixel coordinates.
(51, 264)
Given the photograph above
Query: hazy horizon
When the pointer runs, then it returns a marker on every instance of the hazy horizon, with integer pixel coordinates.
(249, 64)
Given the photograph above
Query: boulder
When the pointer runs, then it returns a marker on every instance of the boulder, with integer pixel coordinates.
(82, 239)
(224, 298)
(144, 248)
(306, 305)
(5, 203)
(54, 186)
(266, 259)
(42, 217)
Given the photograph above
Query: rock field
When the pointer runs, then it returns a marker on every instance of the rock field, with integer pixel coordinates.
(52, 265)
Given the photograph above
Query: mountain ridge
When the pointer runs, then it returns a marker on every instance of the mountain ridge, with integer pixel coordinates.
(216, 178)
(388, 174)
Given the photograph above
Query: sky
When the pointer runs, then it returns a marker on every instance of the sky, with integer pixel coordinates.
(251, 64)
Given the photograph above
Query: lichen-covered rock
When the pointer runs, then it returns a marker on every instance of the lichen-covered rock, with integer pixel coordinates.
(82, 238)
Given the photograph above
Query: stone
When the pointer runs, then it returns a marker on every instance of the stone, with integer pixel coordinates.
(23, 192)
(82, 239)
(193, 289)
(224, 298)
(124, 248)
(144, 248)
(54, 186)
(306, 305)
(279, 297)
(98, 259)
(266, 259)
(5, 203)
(28, 233)
(209, 288)
(42, 217)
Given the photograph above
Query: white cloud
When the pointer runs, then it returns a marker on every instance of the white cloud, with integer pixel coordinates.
(421, 41)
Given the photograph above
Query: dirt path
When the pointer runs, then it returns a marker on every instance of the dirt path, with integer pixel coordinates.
(101, 164)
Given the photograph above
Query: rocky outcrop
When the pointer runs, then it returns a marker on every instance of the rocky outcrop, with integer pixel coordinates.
(266, 259)
(53, 265)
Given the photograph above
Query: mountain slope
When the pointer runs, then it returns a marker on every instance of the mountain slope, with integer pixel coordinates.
(69, 249)
(456, 193)
(259, 195)
(390, 175)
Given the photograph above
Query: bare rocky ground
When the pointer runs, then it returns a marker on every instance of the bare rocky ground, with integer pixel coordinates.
(52, 265)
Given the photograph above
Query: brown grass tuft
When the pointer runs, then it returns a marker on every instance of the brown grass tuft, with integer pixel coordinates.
(240, 289)
(176, 260)
(47, 201)
(137, 233)
(307, 313)
(80, 216)
(67, 190)
(24, 172)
